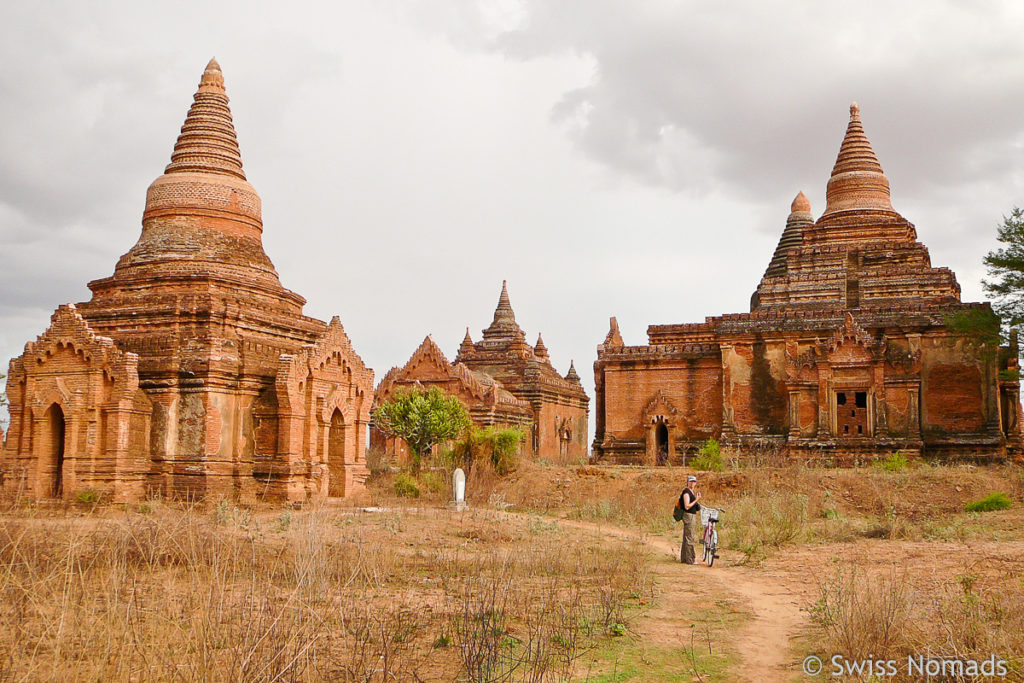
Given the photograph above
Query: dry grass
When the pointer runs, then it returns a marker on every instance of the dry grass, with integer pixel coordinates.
(897, 613)
(770, 508)
(225, 594)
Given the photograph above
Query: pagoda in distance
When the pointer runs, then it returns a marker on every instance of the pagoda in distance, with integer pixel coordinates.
(844, 355)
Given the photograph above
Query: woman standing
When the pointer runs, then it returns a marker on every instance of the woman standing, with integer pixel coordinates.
(688, 501)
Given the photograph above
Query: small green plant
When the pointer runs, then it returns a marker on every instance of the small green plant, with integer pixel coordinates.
(995, 501)
(830, 513)
(144, 508)
(897, 462)
(432, 481)
(223, 513)
(709, 457)
(443, 640)
(284, 520)
(406, 486)
(88, 496)
(617, 629)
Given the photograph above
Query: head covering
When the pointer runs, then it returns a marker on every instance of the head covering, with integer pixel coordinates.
(691, 478)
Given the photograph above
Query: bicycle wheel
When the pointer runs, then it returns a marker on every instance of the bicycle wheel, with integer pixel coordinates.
(711, 549)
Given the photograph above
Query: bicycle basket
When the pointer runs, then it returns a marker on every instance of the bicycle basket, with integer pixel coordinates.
(707, 514)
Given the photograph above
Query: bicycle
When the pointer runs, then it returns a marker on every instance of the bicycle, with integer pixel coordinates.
(709, 518)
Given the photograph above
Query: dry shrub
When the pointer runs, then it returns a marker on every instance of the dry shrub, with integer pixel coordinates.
(765, 521)
(892, 615)
(515, 616)
(865, 616)
(979, 613)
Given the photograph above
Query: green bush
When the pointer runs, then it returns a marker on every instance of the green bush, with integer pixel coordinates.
(995, 501)
(897, 462)
(498, 447)
(433, 482)
(406, 486)
(505, 449)
(709, 457)
(88, 496)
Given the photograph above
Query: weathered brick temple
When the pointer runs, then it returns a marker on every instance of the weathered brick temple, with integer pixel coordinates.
(503, 381)
(845, 352)
(192, 371)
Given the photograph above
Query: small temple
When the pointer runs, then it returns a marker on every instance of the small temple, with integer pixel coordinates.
(191, 372)
(846, 353)
(503, 382)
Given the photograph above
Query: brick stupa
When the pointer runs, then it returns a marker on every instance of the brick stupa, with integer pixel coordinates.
(845, 353)
(192, 371)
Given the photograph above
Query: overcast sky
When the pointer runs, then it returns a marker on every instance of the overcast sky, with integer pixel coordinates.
(625, 158)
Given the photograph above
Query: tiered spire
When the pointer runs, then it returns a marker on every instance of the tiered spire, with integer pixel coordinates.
(504, 310)
(207, 143)
(504, 323)
(857, 180)
(572, 376)
(202, 209)
(539, 349)
(467, 344)
(799, 218)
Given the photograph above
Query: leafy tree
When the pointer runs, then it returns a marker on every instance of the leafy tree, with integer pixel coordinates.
(422, 419)
(1005, 268)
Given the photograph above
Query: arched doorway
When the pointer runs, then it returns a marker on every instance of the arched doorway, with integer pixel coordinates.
(54, 452)
(661, 443)
(336, 455)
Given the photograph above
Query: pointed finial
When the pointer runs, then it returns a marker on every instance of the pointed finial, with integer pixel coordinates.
(466, 347)
(800, 204)
(213, 78)
(572, 376)
(504, 313)
(854, 111)
(539, 349)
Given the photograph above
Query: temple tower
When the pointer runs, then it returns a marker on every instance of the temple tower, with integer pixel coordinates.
(242, 394)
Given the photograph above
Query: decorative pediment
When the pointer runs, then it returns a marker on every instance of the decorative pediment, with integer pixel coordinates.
(660, 407)
(332, 348)
(852, 332)
(852, 343)
(69, 332)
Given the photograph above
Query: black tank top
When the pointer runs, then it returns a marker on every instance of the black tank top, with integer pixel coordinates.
(693, 497)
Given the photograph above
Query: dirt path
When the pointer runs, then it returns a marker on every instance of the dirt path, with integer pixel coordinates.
(763, 645)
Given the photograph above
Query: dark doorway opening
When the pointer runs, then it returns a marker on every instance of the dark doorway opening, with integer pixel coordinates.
(336, 455)
(55, 432)
(661, 443)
